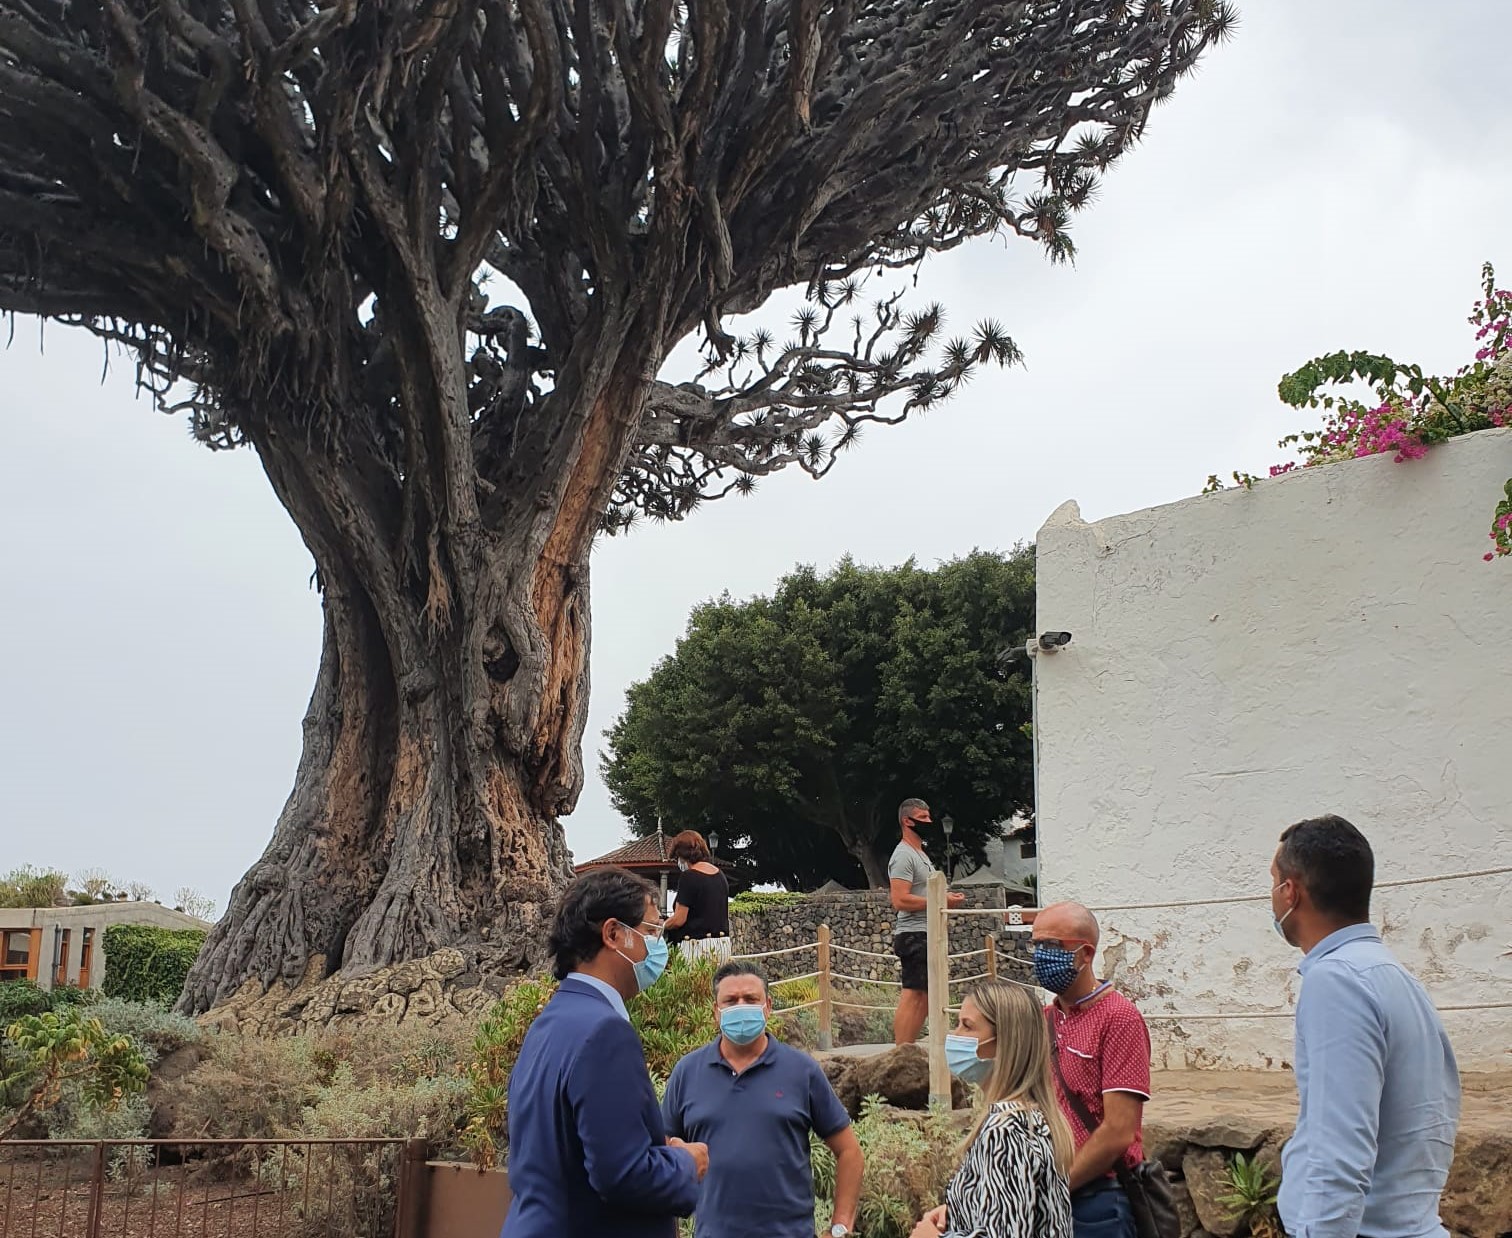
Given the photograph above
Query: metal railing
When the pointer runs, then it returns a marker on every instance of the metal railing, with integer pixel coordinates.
(209, 1188)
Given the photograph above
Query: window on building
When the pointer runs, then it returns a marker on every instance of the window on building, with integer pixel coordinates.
(16, 954)
(86, 957)
(1027, 851)
(60, 954)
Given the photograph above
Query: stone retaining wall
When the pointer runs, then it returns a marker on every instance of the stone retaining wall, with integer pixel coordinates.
(863, 920)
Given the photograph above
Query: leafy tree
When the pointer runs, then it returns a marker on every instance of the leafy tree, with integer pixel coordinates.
(827, 704)
(67, 1046)
(28, 886)
(428, 260)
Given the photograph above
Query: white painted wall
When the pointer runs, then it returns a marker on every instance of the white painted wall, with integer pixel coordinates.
(1329, 641)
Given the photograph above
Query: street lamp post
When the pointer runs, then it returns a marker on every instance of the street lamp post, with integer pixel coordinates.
(947, 823)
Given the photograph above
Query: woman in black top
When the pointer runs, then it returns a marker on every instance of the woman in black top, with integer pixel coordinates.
(703, 894)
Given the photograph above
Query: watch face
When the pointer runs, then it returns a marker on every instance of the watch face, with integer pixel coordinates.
(838, 1231)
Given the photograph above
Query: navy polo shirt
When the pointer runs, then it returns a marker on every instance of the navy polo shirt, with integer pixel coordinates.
(760, 1182)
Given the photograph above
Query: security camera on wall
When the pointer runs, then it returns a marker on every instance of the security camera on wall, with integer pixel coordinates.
(1051, 641)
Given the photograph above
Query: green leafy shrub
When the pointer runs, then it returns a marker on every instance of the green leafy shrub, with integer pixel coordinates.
(148, 964)
(20, 998)
(254, 1087)
(149, 1024)
(753, 900)
(72, 995)
(908, 1166)
(28, 886)
(67, 1052)
(494, 1050)
(677, 1016)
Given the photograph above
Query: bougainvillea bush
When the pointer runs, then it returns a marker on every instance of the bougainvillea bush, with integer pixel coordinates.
(1409, 411)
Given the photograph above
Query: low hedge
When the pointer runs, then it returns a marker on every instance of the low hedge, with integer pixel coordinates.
(753, 900)
(147, 964)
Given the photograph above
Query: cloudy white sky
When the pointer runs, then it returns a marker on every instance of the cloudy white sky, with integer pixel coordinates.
(1333, 178)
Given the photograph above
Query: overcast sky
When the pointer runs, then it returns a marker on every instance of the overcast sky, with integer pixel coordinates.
(1333, 178)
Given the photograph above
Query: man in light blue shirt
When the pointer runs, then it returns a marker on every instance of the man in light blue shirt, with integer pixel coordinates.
(1376, 1077)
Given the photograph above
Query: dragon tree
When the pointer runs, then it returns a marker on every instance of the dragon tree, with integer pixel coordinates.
(428, 259)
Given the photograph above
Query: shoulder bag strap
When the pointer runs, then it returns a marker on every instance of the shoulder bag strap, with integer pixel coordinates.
(1072, 1099)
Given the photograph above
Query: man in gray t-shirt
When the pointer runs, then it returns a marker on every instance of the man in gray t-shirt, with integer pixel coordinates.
(908, 876)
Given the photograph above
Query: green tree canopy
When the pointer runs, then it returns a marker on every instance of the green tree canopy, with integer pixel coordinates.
(826, 704)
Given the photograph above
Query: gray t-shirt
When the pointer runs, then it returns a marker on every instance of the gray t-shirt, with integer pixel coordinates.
(911, 866)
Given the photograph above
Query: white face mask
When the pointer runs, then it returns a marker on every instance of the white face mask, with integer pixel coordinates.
(1276, 921)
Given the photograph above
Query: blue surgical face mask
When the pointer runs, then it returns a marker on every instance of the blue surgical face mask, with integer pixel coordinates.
(1278, 921)
(649, 970)
(961, 1057)
(742, 1025)
(1055, 967)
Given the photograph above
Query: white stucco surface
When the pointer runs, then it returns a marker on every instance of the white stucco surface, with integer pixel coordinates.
(1329, 641)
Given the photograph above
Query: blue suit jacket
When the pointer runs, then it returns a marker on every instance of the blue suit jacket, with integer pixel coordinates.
(588, 1155)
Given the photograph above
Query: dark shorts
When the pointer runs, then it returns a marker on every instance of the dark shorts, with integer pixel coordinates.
(912, 950)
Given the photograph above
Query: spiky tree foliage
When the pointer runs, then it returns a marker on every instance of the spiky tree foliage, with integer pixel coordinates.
(289, 212)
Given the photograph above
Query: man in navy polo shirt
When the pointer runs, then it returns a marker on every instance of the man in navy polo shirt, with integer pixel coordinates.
(753, 1100)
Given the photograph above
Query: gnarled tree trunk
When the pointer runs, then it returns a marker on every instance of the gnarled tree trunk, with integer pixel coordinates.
(443, 737)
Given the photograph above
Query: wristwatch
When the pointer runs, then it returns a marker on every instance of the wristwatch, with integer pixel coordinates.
(838, 1231)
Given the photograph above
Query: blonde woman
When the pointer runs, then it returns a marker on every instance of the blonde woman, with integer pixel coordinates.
(1012, 1179)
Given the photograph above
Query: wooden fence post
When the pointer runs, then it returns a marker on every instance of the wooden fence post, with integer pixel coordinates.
(826, 993)
(414, 1178)
(96, 1211)
(991, 956)
(939, 988)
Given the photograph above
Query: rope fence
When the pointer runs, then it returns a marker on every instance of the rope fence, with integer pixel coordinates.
(866, 954)
(772, 954)
(1235, 899)
(940, 959)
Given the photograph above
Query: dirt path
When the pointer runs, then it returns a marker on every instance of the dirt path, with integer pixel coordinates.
(1193, 1096)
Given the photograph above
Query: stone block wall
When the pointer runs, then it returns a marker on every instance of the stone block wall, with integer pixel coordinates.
(863, 920)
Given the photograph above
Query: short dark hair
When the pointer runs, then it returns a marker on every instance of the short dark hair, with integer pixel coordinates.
(577, 933)
(739, 967)
(1334, 863)
(908, 807)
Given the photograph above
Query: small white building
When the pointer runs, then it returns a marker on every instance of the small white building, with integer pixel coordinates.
(56, 946)
(1010, 860)
(1329, 641)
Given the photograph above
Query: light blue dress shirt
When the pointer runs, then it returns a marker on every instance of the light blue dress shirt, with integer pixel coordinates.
(607, 989)
(1380, 1098)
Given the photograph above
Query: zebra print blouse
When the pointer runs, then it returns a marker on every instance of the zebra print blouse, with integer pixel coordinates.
(1008, 1185)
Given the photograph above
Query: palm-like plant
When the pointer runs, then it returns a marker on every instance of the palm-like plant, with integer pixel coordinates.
(1252, 1196)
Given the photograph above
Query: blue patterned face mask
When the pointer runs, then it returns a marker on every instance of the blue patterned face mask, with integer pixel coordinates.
(1055, 967)
(742, 1024)
(961, 1057)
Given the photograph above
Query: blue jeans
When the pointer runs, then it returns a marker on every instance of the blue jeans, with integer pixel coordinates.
(1102, 1212)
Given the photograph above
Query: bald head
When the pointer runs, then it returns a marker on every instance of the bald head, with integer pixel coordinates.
(1066, 922)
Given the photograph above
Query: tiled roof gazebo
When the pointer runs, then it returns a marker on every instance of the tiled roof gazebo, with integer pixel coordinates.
(646, 857)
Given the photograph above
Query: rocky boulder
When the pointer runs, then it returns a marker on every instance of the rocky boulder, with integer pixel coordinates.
(436, 990)
(161, 1094)
(900, 1076)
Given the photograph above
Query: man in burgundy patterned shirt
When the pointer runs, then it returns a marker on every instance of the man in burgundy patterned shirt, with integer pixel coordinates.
(1102, 1050)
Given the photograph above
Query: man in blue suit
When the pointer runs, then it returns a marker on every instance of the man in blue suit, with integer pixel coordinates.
(588, 1154)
